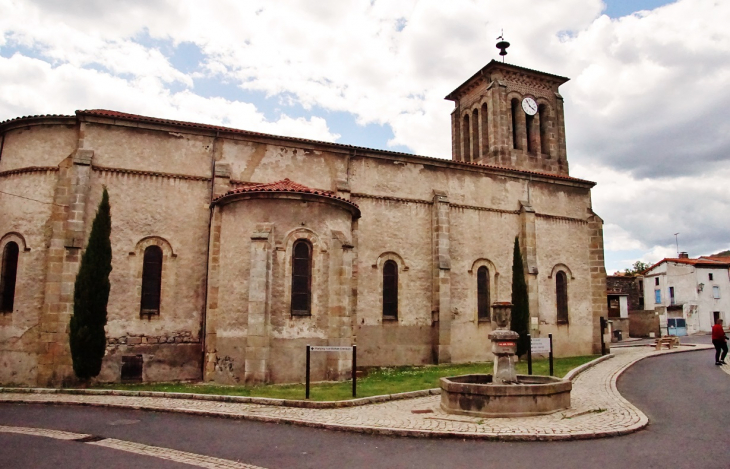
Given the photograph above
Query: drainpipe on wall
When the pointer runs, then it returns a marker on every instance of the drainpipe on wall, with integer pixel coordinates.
(2, 144)
(204, 316)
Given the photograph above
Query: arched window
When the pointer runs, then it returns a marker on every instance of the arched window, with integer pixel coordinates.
(530, 131)
(475, 133)
(9, 273)
(467, 139)
(561, 294)
(544, 143)
(151, 281)
(483, 294)
(485, 130)
(515, 109)
(301, 279)
(390, 290)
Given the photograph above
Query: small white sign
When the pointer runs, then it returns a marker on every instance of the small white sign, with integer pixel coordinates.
(326, 348)
(540, 345)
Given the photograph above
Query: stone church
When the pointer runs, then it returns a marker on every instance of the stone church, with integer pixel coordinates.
(233, 250)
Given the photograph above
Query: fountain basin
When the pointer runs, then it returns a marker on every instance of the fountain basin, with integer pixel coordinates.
(532, 395)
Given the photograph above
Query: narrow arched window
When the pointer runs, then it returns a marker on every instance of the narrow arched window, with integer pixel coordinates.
(9, 274)
(475, 133)
(483, 294)
(561, 293)
(515, 109)
(485, 130)
(456, 137)
(530, 131)
(544, 143)
(151, 281)
(301, 279)
(390, 290)
(467, 139)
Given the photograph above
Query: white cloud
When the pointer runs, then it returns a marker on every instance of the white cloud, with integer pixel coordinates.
(618, 239)
(644, 213)
(32, 86)
(657, 253)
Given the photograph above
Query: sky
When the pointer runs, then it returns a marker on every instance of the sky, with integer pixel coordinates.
(649, 82)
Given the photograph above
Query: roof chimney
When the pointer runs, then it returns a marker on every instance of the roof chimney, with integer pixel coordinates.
(683, 255)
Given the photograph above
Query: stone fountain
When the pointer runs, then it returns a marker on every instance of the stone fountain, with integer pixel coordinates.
(504, 393)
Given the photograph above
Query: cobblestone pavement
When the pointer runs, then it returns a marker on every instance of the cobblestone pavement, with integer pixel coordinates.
(597, 409)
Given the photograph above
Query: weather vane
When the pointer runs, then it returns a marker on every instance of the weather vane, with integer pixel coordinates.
(502, 45)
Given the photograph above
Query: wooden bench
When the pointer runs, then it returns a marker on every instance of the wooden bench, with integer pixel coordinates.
(668, 340)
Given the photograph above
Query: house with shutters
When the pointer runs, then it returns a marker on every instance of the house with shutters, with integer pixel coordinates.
(233, 249)
(689, 294)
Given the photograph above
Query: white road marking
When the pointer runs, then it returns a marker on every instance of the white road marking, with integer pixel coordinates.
(199, 460)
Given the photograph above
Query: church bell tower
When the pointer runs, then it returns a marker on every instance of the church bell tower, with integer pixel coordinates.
(512, 117)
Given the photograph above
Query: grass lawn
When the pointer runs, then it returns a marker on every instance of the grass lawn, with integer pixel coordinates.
(378, 382)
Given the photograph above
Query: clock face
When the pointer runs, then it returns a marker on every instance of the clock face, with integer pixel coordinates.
(529, 106)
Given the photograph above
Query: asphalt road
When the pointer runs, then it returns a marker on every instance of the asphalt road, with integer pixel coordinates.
(685, 396)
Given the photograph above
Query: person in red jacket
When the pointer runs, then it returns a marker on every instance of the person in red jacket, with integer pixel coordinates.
(719, 340)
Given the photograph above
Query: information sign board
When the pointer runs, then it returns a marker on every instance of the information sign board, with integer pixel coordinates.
(540, 345)
(327, 348)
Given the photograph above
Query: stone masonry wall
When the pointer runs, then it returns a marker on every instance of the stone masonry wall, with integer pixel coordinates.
(160, 186)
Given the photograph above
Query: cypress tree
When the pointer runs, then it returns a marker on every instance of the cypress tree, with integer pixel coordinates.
(91, 294)
(520, 304)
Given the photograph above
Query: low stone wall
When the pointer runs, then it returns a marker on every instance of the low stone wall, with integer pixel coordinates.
(184, 337)
(619, 324)
(641, 323)
(175, 356)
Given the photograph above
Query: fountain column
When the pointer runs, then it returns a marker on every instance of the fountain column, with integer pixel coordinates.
(504, 345)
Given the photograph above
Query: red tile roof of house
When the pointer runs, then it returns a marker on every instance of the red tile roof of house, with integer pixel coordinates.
(723, 259)
(701, 262)
(285, 185)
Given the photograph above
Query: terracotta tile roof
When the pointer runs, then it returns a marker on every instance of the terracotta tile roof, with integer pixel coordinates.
(497, 64)
(37, 116)
(701, 261)
(285, 185)
(723, 259)
(155, 120)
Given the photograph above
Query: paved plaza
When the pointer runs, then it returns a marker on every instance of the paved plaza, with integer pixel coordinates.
(597, 408)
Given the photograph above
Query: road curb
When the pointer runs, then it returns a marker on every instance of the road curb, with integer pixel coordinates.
(580, 369)
(233, 399)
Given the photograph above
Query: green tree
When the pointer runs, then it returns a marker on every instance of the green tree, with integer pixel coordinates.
(91, 294)
(520, 304)
(637, 268)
